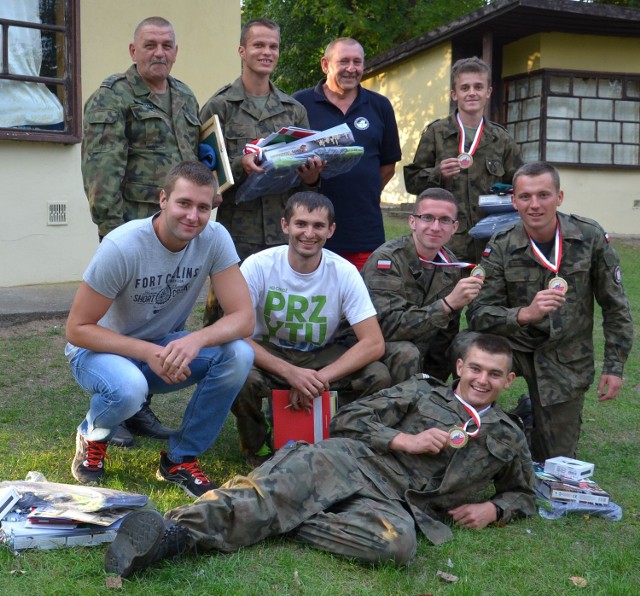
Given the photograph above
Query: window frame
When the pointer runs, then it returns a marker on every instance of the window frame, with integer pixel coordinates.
(546, 76)
(71, 79)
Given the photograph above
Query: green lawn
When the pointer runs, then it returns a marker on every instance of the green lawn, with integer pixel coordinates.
(40, 407)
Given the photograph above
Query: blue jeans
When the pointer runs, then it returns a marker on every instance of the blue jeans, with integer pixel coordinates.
(119, 387)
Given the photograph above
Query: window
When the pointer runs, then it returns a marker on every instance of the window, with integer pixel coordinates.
(39, 70)
(566, 117)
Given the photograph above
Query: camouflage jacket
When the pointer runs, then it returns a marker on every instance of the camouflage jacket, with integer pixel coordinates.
(254, 222)
(129, 144)
(432, 484)
(496, 159)
(408, 306)
(562, 343)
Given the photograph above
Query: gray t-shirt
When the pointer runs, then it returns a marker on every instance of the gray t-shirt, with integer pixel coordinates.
(154, 289)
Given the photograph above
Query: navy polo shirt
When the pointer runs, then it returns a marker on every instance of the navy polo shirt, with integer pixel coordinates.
(356, 194)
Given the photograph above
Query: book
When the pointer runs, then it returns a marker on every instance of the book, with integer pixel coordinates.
(211, 134)
(291, 425)
(18, 534)
(583, 490)
(286, 134)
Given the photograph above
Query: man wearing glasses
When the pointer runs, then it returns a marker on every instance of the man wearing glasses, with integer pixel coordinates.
(417, 289)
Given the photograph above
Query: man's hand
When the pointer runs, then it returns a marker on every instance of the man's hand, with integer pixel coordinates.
(474, 516)
(544, 302)
(464, 292)
(612, 384)
(449, 168)
(432, 440)
(306, 384)
(250, 164)
(311, 170)
(176, 356)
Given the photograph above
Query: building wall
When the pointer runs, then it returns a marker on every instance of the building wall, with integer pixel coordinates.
(419, 91)
(573, 52)
(31, 252)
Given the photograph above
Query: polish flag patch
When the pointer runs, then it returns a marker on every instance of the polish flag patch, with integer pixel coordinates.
(607, 237)
(384, 264)
(486, 252)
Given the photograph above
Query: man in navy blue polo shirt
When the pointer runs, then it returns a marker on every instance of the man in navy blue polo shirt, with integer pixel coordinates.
(338, 99)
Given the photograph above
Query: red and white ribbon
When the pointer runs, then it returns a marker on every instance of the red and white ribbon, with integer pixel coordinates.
(476, 139)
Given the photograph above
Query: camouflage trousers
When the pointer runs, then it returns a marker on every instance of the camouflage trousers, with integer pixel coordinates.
(556, 428)
(317, 494)
(405, 359)
(247, 408)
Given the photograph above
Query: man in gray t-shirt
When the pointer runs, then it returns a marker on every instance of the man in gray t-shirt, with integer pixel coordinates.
(125, 328)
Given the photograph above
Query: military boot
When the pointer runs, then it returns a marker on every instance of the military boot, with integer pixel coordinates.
(144, 538)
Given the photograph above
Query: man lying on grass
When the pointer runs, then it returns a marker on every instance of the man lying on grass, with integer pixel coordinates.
(418, 454)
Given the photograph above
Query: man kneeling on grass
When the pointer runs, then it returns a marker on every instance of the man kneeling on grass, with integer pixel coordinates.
(126, 325)
(418, 454)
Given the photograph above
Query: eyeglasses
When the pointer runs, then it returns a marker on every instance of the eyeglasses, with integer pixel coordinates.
(429, 219)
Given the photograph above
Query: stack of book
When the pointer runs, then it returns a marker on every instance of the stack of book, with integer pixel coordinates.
(48, 515)
(283, 152)
(570, 488)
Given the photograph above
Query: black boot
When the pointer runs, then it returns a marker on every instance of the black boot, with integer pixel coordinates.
(144, 538)
(146, 424)
(121, 437)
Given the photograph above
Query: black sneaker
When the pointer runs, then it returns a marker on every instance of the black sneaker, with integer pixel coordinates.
(188, 475)
(146, 424)
(88, 463)
(121, 437)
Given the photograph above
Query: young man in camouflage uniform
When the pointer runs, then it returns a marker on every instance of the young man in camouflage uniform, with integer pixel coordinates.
(542, 276)
(417, 292)
(137, 125)
(301, 294)
(436, 163)
(389, 470)
(251, 108)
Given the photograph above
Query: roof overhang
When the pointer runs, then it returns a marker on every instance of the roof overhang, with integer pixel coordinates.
(509, 20)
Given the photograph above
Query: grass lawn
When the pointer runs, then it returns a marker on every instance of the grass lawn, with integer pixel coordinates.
(40, 407)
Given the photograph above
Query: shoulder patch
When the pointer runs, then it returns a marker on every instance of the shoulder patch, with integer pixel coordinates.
(617, 275)
(111, 81)
(383, 264)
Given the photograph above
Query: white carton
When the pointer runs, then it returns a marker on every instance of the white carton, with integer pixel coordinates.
(8, 498)
(565, 467)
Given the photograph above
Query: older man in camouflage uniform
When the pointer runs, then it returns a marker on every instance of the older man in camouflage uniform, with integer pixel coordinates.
(495, 158)
(137, 125)
(417, 290)
(542, 277)
(363, 494)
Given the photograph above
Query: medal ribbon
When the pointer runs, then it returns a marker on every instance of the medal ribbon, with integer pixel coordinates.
(446, 262)
(476, 139)
(555, 267)
(475, 416)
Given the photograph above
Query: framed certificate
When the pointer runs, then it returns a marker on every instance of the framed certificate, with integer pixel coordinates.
(211, 134)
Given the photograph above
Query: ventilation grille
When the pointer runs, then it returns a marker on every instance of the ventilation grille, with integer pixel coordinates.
(57, 214)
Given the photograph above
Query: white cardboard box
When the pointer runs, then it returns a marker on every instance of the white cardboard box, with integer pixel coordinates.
(565, 467)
